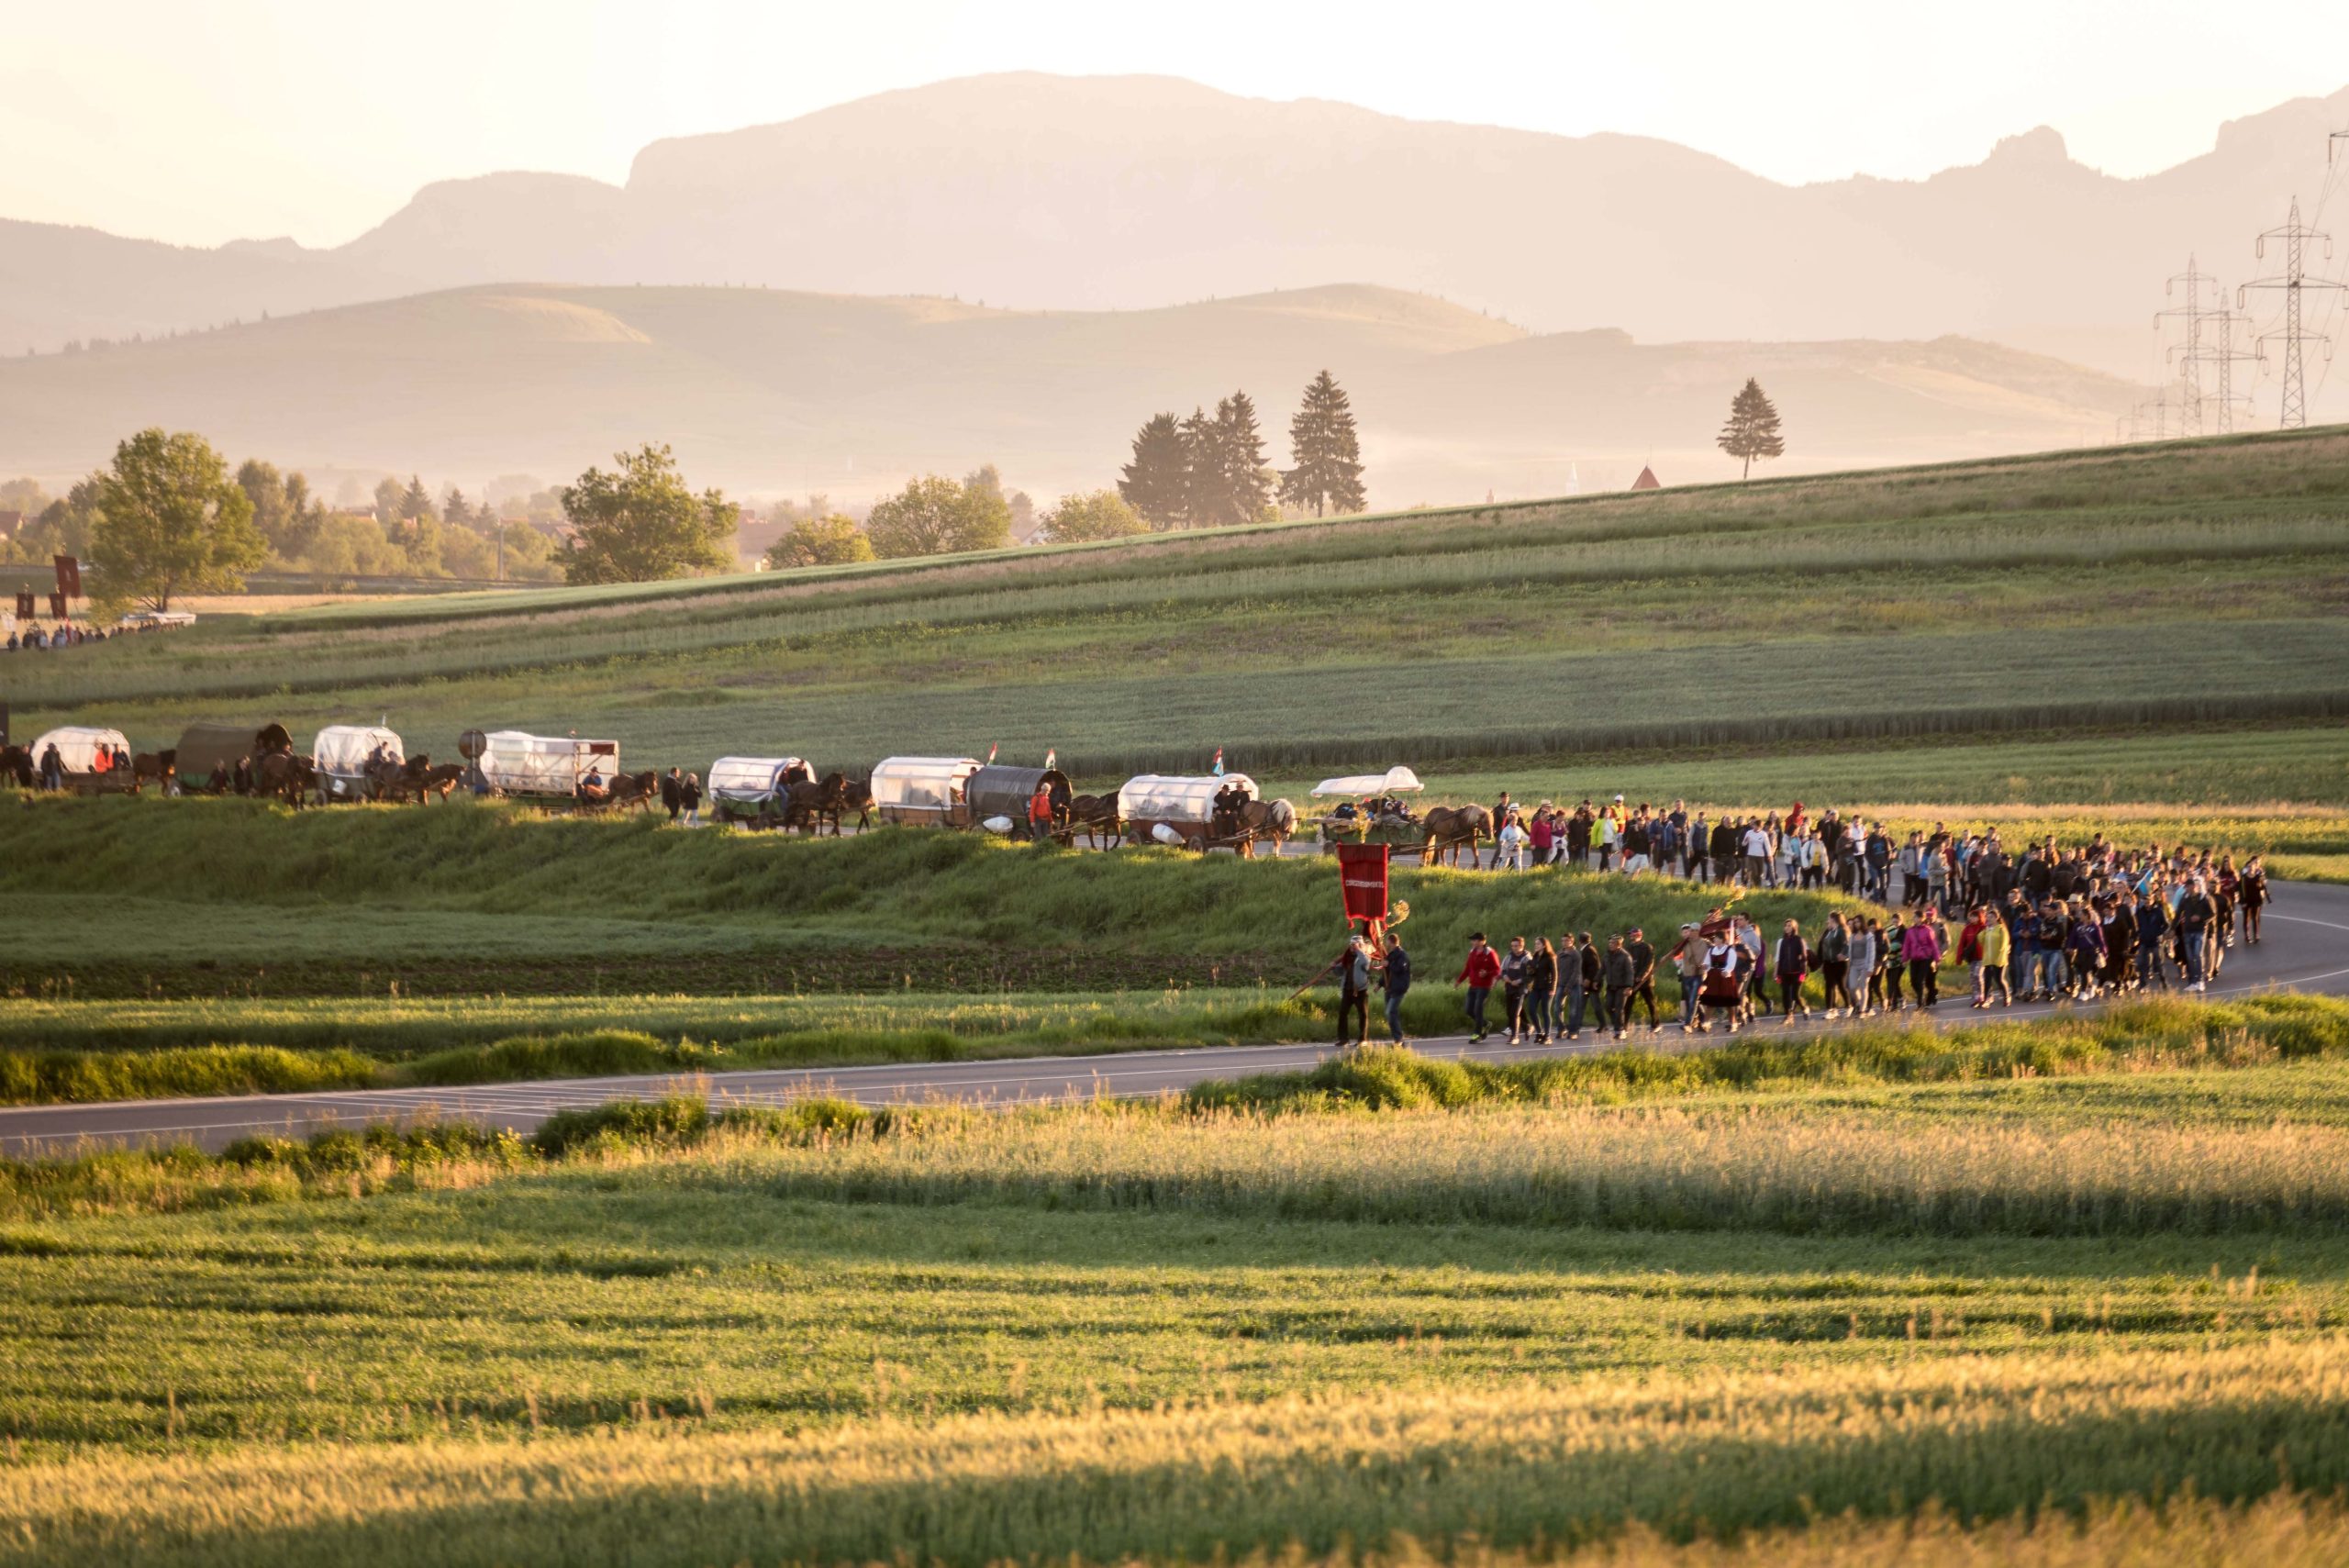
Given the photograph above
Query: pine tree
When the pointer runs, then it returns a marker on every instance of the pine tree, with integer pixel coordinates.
(1202, 469)
(1753, 427)
(1321, 438)
(1238, 489)
(415, 501)
(1154, 483)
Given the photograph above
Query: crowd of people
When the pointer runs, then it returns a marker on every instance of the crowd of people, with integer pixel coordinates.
(65, 634)
(2049, 924)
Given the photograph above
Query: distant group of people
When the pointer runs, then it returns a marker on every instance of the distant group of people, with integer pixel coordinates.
(65, 634)
(681, 796)
(2051, 925)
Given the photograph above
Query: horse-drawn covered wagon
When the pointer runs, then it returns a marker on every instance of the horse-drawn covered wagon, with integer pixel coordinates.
(755, 790)
(1004, 793)
(90, 760)
(1211, 811)
(1370, 808)
(214, 758)
(348, 759)
(923, 791)
(561, 769)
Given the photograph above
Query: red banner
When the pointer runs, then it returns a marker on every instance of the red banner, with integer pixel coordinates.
(1361, 878)
(57, 606)
(68, 575)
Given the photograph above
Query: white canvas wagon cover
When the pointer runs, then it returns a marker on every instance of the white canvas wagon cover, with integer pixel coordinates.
(341, 751)
(522, 763)
(77, 746)
(920, 784)
(750, 779)
(1161, 797)
(1394, 781)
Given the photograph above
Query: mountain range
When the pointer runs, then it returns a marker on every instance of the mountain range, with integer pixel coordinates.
(773, 391)
(1044, 192)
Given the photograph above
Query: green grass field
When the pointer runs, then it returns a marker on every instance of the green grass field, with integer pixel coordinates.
(2091, 1315)
(2166, 589)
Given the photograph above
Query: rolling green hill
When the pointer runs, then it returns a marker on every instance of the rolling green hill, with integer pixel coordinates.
(2163, 588)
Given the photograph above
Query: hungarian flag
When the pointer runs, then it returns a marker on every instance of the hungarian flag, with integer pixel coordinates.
(991, 751)
(1218, 762)
(1052, 757)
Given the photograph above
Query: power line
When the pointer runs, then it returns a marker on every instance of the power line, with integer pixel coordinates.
(2224, 355)
(2194, 311)
(2294, 281)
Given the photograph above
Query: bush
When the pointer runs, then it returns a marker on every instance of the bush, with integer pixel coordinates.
(673, 1122)
(801, 1121)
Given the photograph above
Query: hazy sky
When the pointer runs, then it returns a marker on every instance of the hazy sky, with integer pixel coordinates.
(199, 123)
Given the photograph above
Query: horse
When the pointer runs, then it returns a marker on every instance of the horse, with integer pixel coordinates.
(807, 803)
(1451, 828)
(440, 779)
(17, 767)
(160, 766)
(637, 790)
(1273, 819)
(856, 794)
(396, 781)
(1098, 815)
(283, 775)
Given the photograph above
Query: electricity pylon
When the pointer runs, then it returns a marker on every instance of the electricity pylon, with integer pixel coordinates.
(2294, 281)
(2190, 414)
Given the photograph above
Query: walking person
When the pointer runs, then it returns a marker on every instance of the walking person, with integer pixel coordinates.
(2193, 918)
(1617, 973)
(1835, 967)
(1994, 945)
(1687, 957)
(1395, 975)
(1541, 988)
(1353, 993)
(1922, 948)
(1793, 968)
(1642, 973)
(673, 792)
(1516, 972)
(2252, 898)
(1723, 989)
(1478, 974)
(2153, 930)
(1578, 970)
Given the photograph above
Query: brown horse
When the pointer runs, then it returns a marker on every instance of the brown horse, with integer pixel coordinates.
(1273, 820)
(1098, 816)
(857, 795)
(286, 777)
(17, 767)
(807, 806)
(417, 776)
(637, 790)
(1451, 829)
(160, 766)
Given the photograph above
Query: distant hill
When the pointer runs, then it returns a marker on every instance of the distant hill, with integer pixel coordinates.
(1119, 193)
(772, 392)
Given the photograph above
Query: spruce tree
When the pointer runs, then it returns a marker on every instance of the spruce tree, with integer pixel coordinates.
(1241, 489)
(1202, 469)
(1753, 427)
(1156, 481)
(1327, 453)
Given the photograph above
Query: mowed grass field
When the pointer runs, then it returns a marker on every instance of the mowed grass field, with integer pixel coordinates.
(2165, 589)
(2091, 1315)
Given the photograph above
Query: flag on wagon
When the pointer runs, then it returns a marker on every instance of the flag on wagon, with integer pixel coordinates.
(1052, 757)
(1218, 762)
(991, 752)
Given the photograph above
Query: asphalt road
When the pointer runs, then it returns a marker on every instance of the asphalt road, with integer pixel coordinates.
(2307, 949)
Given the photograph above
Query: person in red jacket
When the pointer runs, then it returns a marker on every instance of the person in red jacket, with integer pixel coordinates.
(1483, 967)
(1039, 815)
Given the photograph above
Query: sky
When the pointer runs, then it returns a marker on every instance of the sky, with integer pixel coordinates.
(254, 119)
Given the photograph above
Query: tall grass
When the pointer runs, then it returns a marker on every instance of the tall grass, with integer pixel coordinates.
(1554, 1464)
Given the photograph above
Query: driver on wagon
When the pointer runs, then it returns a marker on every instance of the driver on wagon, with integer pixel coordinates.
(591, 785)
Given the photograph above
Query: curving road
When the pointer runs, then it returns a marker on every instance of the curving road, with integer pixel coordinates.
(2307, 949)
